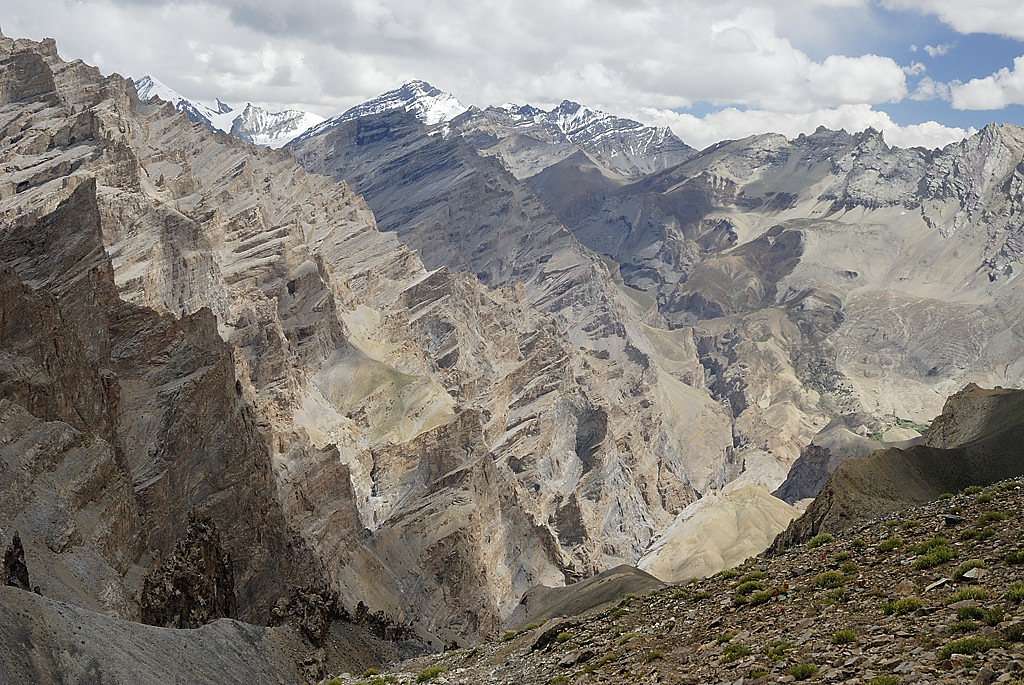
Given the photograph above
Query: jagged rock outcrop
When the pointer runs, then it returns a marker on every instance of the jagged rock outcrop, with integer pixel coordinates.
(976, 442)
(192, 586)
(15, 571)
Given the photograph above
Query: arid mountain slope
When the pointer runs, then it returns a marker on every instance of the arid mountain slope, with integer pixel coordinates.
(975, 441)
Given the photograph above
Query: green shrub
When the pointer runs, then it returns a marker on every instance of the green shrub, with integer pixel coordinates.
(760, 597)
(934, 557)
(802, 671)
(911, 524)
(776, 649)
(819, 540)
(560, 679)
(563, 637)
(654, 655)
(991, 516)
(1014, 633)
(963, 568)
(725, 637)
(899, 607)
(946, 495)
(429, 673)
(734, 651)
(983, 499)
(626, 638)
(370, 672)
(969, 613)
(889, 545)
(842, 556)
(1015, 593)
(885, 680)
(968, 645)
(758, 673)
(962, 627)
(973, 489)
(929, 545)
(986, 533)
(744, 589)
(858, 544)
(698, 596)
(844, 637)
(830, 579)
(728, 574)
(849, 568)
(1015, 558)
(993, 616)
(509, 635)
(1009, 485)
(968, 593)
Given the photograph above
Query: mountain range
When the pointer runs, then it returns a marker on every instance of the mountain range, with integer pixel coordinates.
(426, 365)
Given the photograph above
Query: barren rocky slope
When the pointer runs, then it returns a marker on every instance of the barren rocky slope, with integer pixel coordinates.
(875, 604)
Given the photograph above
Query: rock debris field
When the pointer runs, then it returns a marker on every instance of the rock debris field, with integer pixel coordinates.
(930, 595)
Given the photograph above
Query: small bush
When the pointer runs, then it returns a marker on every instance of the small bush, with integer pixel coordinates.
(983, 499)
(844, 637)
(885, 680)
(993, 616)
(563, 637)
(934, 557)
(830, 579)
(902, 606)
(962, 627)
(802, 671)
(946, 495)
(890, 544)
(973, 489)
(1015, 593)
(929, 545)
(968, 593)
(744, 589)
(725, 637)
(968, 645)
(626, 638)
(654, 655)
(429, 673)
(991, 516)
(970, 613)
(370, 672)
(776, 649)
(986, 533)
(849, 568)
(858, 544)
(734, 651)
(560, 679)
(758, 673)
(910, 525)
(1015, 558)
(819, 540)
(698, 596)
(1014, 633)
(1009, 485)
(728, 574)
(842, 556)
(963, 568)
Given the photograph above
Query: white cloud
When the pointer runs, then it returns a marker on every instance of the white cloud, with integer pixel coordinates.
(732, 124)
(930, 89)
(938, 50)
(336, 53)
(999, 17)
(1005, 87)
(914, 69)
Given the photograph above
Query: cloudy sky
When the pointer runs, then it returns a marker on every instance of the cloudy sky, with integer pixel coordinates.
(925, 72)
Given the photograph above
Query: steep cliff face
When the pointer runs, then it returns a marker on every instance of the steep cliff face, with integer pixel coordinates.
(428, 439)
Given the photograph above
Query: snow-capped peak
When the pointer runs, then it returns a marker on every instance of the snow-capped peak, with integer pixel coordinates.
(427, 103)
(253, 125)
